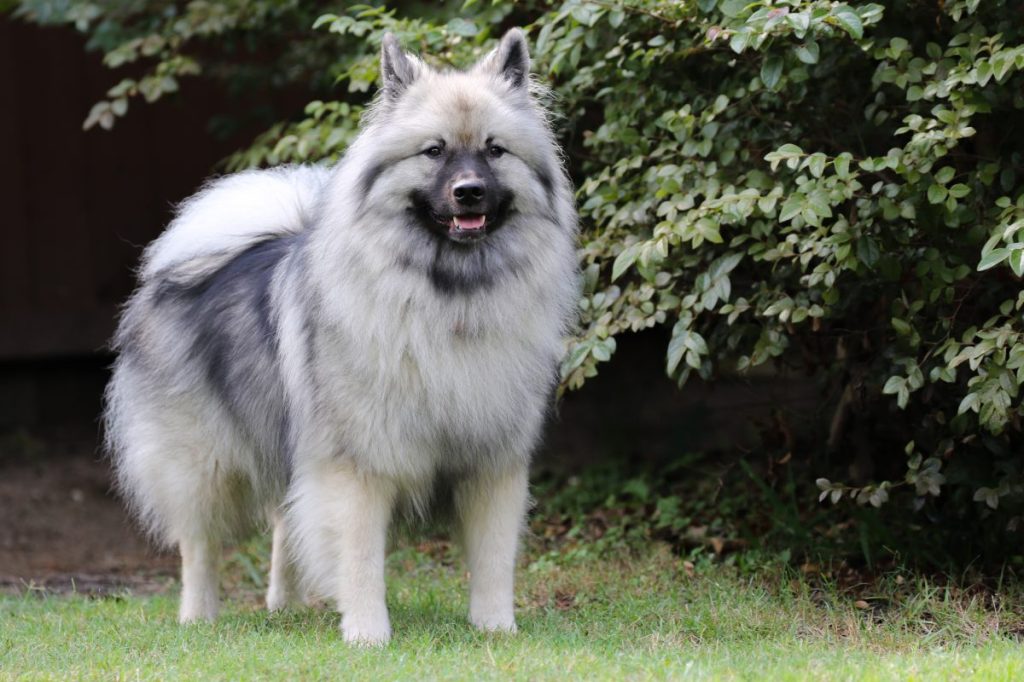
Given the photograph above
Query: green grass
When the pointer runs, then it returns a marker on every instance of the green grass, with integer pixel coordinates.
(649, 617)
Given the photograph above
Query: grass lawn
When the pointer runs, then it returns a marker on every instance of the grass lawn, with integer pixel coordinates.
(650, 617)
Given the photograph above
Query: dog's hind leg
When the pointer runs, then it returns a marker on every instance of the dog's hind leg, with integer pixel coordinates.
(281, 591)
(174, 491)
(200, 564)
(492, 507)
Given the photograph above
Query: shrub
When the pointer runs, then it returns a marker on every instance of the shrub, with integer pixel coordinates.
(806, 184)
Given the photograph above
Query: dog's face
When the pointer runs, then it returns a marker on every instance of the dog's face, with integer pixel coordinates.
(461, 153)
(466, 199)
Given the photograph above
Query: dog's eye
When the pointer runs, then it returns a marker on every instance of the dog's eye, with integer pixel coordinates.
(496, 151)
(434, 152)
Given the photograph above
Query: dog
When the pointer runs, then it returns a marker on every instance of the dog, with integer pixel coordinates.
(318, 349)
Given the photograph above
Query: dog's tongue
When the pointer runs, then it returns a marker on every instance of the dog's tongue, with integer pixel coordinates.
(469, 222)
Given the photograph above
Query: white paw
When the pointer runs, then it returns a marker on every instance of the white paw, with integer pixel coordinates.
(277, 599)
(493, 622)
(196, 613)
(366, 630)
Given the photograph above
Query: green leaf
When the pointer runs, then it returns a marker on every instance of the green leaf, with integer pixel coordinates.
(462, 27)
(894, 385)
(936, 194)
(790, 153)
(842, 165)
(971, 402)
(818, 203)
(771, 71)
(324, 19)
(945, 175)
(901, 326)
(816, 164)
(959, 190)
(800, 21)
(624, 260)
(578, 354)
(544, 37)
(601, 352)
(733, 8)
(740, 39)
(791, 207)
(849, 20)
(1012, 229)
(677, 347)
(584, 14)
(709, 229)
(989, 496)
(696, 343)
(1016, 261)
(867, 251)
(878, 497)
(993, 258)
(897, 46)
(808, 52)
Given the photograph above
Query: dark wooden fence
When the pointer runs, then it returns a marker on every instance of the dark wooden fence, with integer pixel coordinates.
(76, 207)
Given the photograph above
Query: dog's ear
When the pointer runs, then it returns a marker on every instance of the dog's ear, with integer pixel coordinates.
(510, 60)
(398, 69)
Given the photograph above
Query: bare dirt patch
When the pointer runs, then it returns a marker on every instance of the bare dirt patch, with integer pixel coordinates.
(63, 529)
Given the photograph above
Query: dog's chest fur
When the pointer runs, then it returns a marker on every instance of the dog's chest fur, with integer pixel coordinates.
(425, 384)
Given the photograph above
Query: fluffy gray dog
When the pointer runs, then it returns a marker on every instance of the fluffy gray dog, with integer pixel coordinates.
(319, 348)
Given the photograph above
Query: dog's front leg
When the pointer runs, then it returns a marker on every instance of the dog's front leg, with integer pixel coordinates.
(363, 505)
(492, 508)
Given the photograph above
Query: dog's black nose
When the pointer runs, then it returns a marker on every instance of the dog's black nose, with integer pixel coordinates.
(469, 192)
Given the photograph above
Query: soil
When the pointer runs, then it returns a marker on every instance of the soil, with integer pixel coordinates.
(63, 529)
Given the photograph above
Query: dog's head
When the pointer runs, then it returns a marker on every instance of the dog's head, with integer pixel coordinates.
(460, 152)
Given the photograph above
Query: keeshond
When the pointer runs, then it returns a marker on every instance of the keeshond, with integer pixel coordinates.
(320, 349)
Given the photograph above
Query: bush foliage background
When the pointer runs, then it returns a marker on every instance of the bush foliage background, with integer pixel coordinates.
(825, 187)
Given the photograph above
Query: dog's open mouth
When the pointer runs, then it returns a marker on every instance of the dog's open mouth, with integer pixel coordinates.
(467, 227)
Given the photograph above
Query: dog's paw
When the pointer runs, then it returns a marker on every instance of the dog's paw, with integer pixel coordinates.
(366, 631)
(277, 599)
(202, 613)
(493, 622)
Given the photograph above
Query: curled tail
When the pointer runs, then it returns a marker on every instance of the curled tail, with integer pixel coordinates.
(232, 213)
